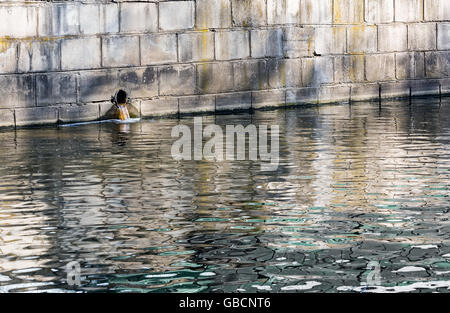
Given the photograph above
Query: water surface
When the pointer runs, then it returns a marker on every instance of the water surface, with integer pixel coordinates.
(356, 184)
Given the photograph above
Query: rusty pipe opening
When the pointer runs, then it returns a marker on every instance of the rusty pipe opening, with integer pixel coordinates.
(120, 98)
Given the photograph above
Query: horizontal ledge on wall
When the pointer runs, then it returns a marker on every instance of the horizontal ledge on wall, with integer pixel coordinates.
(228, 102)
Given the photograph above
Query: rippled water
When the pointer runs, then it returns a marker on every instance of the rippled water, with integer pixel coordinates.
(356, 184)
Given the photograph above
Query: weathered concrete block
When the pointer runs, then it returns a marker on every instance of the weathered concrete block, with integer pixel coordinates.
(445, 86)
(316, 11)
(6, 118)
(213, 14)
(82, 53)
(380, 67)
(36, 116)
(232, 45)
(37, 56)
(175, 15)
(284, 73)
(98, 85)
(8, 57)
(267, 43)
(379, 11)
(268, 98)
(215, 77)
(427, 87)
(317, 71)
(334, 94)
(421, 36)
(138, 17)
(139, 83)
(362, 39)
(109, 18)
(90, 19)
(294, 33)
(197, 104)
(65, 18)
(120, 51)
(392, 37)
(443, 36)
(17, 91)
(59, 19)
(298, 41)
(437, 64)
(349, 68)
(302, 96)
(234, 101)
(56, 88)
(249, 12)
(249, 75)
(330, 40)
(99, 18)
(437, 10)
(159, 107)
(18, 21)
(198, 46)
(283, 11)
(80, 113)
(177, 80)
(158, 49)
(393, 90)
(408, 10)
(44, 21)
(365, 92)
(348, 11)
(410, 65)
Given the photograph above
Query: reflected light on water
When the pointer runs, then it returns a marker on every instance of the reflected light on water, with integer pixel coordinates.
(355, 184)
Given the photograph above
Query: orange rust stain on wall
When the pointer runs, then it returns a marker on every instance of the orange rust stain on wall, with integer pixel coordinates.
(4, 45)
(354, 69)
(337, 16)
(204, 44)
(283, 74)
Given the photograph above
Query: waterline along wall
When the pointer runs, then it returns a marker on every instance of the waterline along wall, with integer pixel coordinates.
(61, 61)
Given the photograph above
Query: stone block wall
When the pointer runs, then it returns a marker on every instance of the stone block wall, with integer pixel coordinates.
(61, 61)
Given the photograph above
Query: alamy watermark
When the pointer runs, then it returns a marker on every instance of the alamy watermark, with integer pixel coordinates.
(74, 270)
(373, 278)
(227, 144)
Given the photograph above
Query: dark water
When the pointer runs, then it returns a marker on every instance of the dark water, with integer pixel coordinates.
(356, 184)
